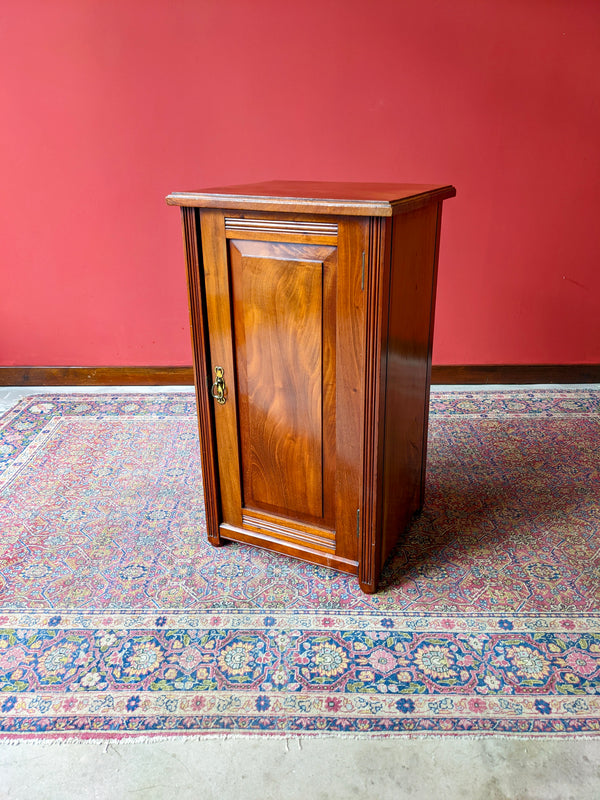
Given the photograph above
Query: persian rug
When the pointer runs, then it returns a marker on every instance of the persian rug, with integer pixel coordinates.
(117, 618)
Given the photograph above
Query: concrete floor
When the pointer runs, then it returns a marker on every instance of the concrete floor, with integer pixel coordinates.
(491, 768)
(305, 769)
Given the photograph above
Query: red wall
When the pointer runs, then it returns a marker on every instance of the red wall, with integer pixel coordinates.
(107, 105)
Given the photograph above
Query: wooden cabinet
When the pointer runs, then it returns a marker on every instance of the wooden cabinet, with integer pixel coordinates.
(312, 317)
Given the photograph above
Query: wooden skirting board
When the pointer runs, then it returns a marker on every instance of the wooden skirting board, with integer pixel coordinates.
(96, 376)
(515, 373)
(475, 374)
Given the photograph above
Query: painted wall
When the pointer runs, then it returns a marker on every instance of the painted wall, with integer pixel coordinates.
(107, 105)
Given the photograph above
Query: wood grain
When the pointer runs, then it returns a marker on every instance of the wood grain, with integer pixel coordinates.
(484, 374)
(219, 323)
(441, 374)
(323, 327)
(350, 365)
(278, 312)
(305, 552)
(191, 241)
(436, 240)
(376, 291)
(97, 376)
(355, 199)
(411, 295)
(288, 530)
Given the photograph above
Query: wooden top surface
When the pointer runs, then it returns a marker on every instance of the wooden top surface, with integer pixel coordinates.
(357, 199)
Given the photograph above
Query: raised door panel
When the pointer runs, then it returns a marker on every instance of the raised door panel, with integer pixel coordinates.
(283, 341)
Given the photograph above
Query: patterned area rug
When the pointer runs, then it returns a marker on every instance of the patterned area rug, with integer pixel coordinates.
(118, 619)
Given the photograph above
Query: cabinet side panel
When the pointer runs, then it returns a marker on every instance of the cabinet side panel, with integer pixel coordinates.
(429, 353)
(412, 290)
(191, 241)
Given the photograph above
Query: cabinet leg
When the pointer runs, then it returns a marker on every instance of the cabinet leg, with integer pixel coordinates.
(216, 540)
(368, 588)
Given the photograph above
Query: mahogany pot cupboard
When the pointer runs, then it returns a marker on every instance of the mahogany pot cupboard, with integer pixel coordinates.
(311, 310)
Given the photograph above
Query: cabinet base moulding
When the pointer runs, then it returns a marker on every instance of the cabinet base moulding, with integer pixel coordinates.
(302, 552)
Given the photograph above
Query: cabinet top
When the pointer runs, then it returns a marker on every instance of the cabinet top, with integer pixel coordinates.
(356, 199)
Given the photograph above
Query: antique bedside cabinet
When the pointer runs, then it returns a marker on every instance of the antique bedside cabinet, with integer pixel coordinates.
(312, 311)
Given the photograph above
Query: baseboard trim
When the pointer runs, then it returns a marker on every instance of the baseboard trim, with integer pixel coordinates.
(515, 373)
(96, 376)
(184, 376)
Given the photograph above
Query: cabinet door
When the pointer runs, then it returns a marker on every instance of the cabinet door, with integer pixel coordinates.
(284, 303)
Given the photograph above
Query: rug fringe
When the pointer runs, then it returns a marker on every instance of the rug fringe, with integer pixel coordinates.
(104, 740)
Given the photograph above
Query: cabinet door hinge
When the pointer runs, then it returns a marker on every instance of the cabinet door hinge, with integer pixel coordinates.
(357, 522)
(362, 278)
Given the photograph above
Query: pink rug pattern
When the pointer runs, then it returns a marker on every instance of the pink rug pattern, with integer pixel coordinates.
(117, 618)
